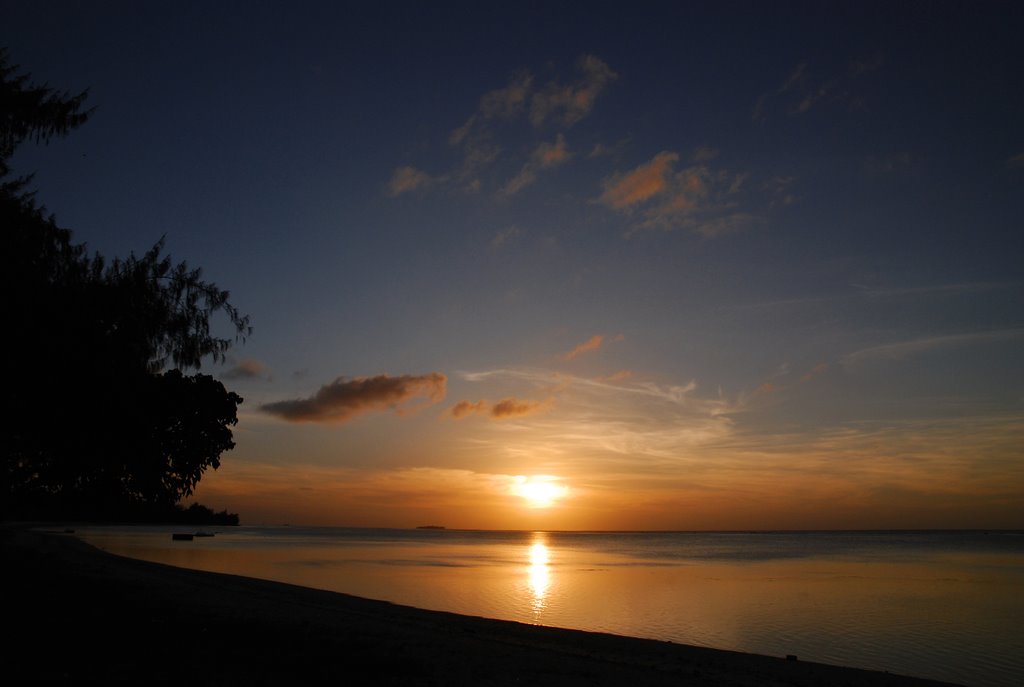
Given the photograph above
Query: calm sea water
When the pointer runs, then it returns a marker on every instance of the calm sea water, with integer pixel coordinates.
(942, 605)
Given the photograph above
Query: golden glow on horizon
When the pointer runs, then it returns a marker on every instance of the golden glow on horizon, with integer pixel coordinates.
(539, 491)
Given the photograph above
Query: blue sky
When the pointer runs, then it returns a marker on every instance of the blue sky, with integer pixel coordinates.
(742, 265)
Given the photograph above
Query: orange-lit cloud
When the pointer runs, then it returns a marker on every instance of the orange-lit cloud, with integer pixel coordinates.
(551, 154)
(620, 376)
(344, 398)
(520, 102)
(591, 344)
(643, 455)
(639, 184)
(698, 198)
(247, 369)
(924, 473)
(464, 408)
(406, 179)
(818, 369)
(501, 410)
(573, 102)
(503, 103)
(514, 407)
(545, 156)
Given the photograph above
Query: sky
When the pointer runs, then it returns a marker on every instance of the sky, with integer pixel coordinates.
(600, 266)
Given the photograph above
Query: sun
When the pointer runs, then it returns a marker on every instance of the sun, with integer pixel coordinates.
(539, 491)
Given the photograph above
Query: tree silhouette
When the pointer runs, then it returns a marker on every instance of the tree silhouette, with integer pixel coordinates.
(95, 425)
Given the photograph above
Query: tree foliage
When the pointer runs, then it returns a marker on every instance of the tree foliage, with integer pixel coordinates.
(95, 420)
(31, 112)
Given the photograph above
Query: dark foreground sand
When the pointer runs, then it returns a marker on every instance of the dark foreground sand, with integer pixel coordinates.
(80, 616)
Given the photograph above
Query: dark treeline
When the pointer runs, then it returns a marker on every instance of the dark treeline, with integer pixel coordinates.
(101, 421)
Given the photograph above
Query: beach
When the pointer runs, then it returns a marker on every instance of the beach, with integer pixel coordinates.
(78, 615)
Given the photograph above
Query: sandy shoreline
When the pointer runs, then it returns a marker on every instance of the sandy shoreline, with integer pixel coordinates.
(176, 626)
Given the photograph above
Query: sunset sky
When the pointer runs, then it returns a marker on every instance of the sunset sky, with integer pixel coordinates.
(576, 266)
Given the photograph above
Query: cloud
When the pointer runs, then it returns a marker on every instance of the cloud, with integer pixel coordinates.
(566, 104)
(934, 289)
(779, 189)
(520, 102)
(505, 236)
(501, 410)
(464, 408)
(344, 398)
(406, 179)
(247, 369)
(697, 198)
(569, 104)
(863, 65)
(604, 150)
(545, 156)
(811, 98)
(633, 425)
(622, 191)
(1016, 161)
(818, 369)
(591, 344)
(705, 154)
(513, 407)
(503, 103)
(905, 349)
(620, 376)
(794, 78)
(798, 93)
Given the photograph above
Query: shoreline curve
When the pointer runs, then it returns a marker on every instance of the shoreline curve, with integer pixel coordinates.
(78, 614)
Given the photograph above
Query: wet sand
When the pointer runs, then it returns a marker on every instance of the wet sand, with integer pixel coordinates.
(78, 615)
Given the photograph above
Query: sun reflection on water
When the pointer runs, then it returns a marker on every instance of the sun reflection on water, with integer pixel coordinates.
(539, 573)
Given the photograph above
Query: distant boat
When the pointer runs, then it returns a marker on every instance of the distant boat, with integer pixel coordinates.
(204, 534)
(181, 536)
(431, 527)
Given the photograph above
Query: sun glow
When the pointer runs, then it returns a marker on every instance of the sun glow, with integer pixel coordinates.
(539, 573)
(539, 491)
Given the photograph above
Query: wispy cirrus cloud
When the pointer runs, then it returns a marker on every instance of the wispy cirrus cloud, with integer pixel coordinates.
(905, 349)
(590, 345)
(819, 369)
(619, 422)
(345, 398)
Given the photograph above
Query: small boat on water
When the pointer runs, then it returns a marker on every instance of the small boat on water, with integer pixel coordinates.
(182, 536)
(204, 534)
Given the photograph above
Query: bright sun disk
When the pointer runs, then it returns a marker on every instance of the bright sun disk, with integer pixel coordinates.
(539, 491)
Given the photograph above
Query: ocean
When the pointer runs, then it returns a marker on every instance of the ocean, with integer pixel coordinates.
(935, 604)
